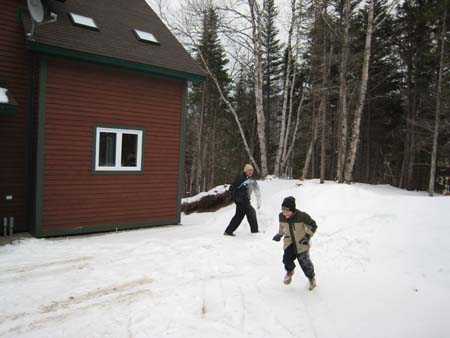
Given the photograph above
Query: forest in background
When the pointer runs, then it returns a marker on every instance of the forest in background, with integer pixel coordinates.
(344, 90)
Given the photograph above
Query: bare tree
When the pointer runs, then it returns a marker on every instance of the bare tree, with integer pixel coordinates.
(343, 108)
(287, 84)
(187, 26)
(256, 22)
(233, 112)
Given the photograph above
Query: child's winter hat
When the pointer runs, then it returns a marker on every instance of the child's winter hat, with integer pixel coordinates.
(289, 202)
(248, 167)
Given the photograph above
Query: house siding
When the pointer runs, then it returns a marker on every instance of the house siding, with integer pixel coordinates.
(81, 96)
(13, 138)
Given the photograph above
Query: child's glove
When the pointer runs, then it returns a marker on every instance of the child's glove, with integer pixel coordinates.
(305, 240)
(277, 237)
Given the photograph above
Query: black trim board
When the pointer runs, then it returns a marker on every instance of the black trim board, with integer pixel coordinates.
(42, 93)
(29, 165)
(181, 150)
(102, 228)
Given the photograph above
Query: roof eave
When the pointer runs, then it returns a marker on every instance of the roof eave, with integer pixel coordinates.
(105, 60)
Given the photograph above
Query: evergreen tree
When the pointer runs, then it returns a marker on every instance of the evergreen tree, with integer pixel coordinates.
(244, 101)
(207, 122)
(416, 39)
(272, 65)
(377, 159)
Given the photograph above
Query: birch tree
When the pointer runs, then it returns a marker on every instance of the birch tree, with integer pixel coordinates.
(343, 108)
(186, 26)
(348, 173)
(287, 85)
(256, 23)
(372, 23)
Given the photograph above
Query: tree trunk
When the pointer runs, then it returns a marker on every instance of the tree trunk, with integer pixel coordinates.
(287, 85)
(289, 153)
(309, 154)
(407, 138)
(288, 147)
(362, 95)
(438, 105)
(412, 145)
(343, 109)
(212, 169)
(198, 161)
(327, 59)
(259, 84)
(367, 152)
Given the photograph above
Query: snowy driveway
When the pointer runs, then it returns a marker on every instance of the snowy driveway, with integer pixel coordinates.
(377, 277)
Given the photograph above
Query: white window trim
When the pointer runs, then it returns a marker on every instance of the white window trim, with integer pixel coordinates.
(119, 132)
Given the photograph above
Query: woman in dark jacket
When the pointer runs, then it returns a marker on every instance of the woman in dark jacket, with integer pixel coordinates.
(297, 227)
(241, 189)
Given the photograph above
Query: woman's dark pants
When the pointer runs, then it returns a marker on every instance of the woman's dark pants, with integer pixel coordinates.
(243, 209)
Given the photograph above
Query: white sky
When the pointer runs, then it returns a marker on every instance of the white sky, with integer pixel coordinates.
(381, 255)
(172, 6)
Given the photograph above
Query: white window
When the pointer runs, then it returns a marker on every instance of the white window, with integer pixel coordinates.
(118, 149)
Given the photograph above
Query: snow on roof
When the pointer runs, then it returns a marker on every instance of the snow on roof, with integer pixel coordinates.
(3, 96)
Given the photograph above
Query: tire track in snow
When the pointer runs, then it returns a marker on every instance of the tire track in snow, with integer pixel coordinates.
(31, 271)
(60, 310)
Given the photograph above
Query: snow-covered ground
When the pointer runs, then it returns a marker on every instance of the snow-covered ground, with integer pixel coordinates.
(382, 258)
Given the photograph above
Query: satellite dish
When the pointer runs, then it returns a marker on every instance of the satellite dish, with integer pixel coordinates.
(36, 10)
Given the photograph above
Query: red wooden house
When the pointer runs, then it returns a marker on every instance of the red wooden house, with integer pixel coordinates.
(92, 112)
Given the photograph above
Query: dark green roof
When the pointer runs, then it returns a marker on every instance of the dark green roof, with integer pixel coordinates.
(115, 41)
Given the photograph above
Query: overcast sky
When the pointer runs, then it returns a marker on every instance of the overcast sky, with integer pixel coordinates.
(171, 7)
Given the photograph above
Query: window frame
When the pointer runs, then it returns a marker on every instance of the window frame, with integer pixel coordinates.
(147, 37)
(78, 20)
(119, 131)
